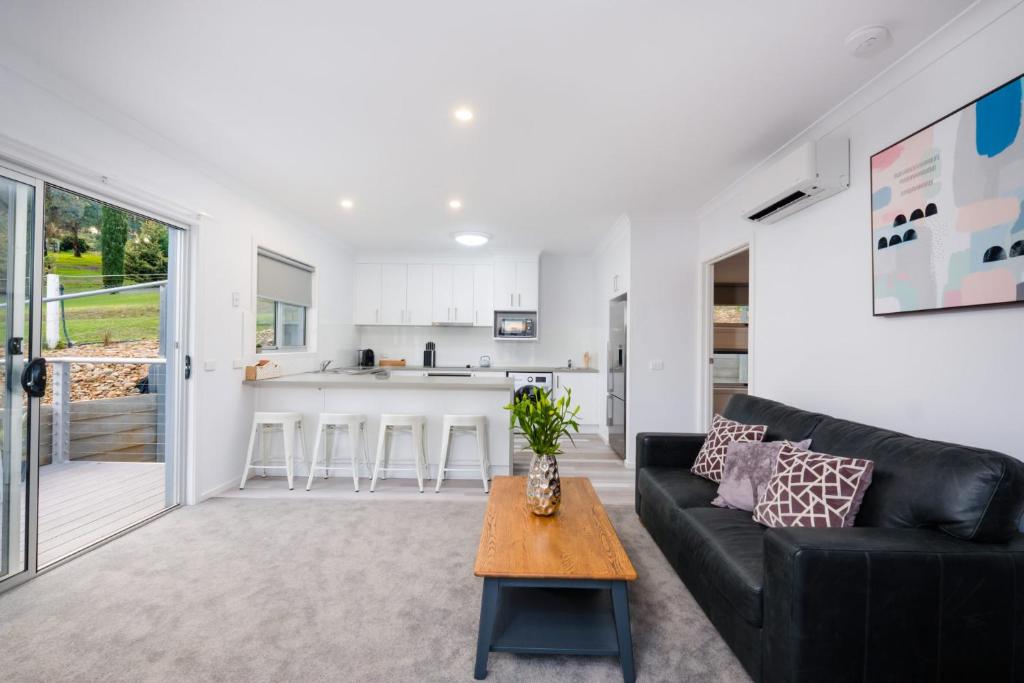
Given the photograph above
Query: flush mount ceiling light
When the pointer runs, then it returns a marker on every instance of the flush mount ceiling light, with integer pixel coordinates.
(868, 41)
(455, 204)
(347, 204)
(463, 114)
(471, 239)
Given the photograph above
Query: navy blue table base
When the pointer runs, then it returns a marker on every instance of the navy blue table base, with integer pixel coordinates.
(556, 617)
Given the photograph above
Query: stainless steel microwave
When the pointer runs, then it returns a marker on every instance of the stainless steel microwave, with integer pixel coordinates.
(516, 325)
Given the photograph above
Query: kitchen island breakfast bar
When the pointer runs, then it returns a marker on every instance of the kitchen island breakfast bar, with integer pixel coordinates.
(372, 395)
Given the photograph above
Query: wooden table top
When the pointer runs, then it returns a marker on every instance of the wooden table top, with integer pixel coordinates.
(578, 542)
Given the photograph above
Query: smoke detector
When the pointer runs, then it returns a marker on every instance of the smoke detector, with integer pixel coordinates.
(868, 41)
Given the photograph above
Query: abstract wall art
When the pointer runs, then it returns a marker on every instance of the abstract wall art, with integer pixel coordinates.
(947, 210)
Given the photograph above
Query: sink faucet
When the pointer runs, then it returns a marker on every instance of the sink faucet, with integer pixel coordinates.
(324, 365)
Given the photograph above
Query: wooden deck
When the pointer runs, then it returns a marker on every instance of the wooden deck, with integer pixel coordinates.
(83, 502)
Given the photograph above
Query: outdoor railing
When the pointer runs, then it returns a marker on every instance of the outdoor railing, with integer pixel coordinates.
(113, 417)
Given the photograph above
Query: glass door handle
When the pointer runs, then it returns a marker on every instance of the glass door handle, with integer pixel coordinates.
(33, 377)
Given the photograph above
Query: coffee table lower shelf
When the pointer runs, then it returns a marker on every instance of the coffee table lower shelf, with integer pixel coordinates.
(555, 617)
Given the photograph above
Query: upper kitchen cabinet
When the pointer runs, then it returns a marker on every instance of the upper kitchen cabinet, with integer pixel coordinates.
(419, 294)
(453, 294)
(394, 278)
(614, 266)
(483, 295)
(367, 294)
(516, 286)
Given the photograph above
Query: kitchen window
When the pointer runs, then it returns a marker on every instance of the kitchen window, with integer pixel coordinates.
(284, 295)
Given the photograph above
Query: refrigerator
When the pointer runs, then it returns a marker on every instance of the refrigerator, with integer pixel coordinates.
(616, 400)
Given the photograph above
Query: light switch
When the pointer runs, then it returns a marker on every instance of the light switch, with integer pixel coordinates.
(210, 365)
(657, 364)
(236, 299)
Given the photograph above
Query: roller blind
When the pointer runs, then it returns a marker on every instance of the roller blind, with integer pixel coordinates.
(283, 279)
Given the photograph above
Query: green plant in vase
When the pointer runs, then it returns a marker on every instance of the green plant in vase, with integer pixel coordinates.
(543, 423)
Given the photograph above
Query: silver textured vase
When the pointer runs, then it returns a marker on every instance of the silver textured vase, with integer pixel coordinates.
(543, 486)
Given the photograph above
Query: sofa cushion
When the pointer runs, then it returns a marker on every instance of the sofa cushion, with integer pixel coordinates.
(724, 432)
(748, 467)
(677, 486)
(726, 547)
(785, 423)
(811, 489)
(970, 493)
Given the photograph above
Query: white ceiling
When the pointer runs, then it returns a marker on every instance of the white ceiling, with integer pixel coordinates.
(584, 109)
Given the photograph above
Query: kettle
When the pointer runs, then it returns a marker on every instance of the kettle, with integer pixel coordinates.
(366, 359)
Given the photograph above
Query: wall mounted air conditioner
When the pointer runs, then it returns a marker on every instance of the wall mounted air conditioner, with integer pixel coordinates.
(811, 172)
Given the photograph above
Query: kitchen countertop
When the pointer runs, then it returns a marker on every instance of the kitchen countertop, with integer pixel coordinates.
(330, 380)
(493, 368)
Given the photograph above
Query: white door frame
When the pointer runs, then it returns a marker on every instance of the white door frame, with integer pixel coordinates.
(41, 169)
(707, 313)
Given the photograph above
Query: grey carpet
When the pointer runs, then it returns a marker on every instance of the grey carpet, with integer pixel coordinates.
(277, 590)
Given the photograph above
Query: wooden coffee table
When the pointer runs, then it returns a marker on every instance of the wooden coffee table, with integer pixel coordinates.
(552, 585)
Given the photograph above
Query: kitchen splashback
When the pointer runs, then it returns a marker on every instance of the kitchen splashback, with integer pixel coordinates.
(457, 346)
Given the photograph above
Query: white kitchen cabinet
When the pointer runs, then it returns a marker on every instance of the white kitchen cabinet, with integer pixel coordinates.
(516, 286)
(613, 265)
(453, 294)
(394, 278)
(443, 304)
(420, 294)
(367, 294)
(504, 285)
(462, 294)
(528, 283)
(483, 295)
(585, 390)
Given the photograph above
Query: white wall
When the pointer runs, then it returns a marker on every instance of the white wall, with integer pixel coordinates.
(57, 133)
(953, 375)
(664, 326)
(568, 327)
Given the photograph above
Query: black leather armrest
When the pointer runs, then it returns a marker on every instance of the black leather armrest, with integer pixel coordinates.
(864, 604)
(662, 449)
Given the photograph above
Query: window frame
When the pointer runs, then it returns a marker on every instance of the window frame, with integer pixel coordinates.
(307, 328)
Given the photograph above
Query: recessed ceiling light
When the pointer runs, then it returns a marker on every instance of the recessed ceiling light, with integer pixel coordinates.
(471, 239)
(464, 114)
(347, 204)
(455, 204)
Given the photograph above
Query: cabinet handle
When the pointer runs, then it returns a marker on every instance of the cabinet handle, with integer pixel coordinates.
(520, 300)
(456, 313)
(511, 300)
(376, 315)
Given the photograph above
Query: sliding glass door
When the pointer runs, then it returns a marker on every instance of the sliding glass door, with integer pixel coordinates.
(23, 375)
(92, 409)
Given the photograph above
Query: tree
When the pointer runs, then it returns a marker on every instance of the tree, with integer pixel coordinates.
(64, 216)
(113, 236)
(145, 256)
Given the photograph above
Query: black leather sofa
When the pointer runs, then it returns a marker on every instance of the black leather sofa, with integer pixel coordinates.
(927, 586)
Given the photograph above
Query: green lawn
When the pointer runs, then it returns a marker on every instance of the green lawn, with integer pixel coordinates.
(120, 316)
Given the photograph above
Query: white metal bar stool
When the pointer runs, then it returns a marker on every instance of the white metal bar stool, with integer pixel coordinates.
(417, 424)
(331, 424)
(464, 423)
(265, 424)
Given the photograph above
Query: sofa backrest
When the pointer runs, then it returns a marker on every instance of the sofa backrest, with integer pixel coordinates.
(784, 422)
(970, 493)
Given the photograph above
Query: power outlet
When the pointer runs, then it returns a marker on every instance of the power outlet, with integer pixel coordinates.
(657, 364)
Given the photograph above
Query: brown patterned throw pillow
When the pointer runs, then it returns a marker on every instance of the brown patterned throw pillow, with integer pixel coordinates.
(813, 490)
(748, 467)
(723, 432)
